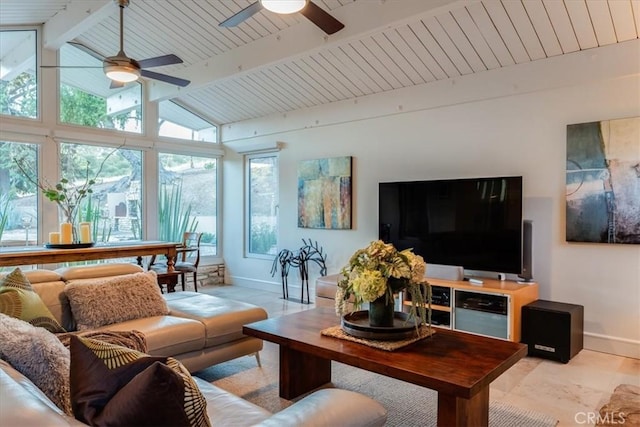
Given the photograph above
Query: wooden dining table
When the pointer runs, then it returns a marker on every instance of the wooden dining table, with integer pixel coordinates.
(30, 255)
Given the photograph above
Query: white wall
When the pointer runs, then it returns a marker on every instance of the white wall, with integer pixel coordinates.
(507, 122)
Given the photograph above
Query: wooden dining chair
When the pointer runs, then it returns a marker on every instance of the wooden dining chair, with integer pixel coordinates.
(188, 257)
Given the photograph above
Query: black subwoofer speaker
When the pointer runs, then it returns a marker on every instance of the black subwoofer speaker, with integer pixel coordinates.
(553, 330)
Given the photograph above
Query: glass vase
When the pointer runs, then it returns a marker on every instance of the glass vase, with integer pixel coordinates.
(381, 312)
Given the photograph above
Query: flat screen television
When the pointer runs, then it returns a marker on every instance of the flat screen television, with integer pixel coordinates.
(474, 223)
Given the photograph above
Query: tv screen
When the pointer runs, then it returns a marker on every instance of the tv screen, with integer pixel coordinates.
(474, 223)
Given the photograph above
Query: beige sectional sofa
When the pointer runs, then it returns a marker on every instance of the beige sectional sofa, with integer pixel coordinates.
(326, 287)
(200, 330)
(23, 404)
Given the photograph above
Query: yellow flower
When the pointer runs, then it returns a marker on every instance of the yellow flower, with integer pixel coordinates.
(369, 284)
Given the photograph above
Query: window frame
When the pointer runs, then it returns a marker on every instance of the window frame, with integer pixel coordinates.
(195, 113)
(38, 74)
(50, 129)
(142, 85)
(247, 196)
(39, 198)
(166, 149)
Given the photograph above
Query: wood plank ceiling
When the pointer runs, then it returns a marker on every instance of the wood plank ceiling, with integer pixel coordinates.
(452, 40)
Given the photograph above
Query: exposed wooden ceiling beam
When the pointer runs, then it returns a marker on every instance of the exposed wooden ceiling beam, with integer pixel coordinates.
(78, 17)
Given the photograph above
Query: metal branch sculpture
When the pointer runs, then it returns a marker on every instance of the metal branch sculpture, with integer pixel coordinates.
(309, 252)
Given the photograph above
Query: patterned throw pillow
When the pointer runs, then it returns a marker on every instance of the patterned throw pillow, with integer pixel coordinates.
(19, 300)
(113, 385)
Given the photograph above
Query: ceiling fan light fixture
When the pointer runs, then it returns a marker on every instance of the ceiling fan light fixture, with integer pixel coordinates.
(121, 74)
(284, 6)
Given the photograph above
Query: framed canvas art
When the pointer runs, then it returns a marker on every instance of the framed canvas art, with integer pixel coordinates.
(324, 193)
(603, 181)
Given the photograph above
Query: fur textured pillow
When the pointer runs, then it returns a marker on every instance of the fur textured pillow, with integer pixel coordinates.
(19, 300)
(38, 355)
(128, 297)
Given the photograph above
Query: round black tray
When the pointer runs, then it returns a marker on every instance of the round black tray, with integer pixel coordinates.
(357, 324)
(68, 245)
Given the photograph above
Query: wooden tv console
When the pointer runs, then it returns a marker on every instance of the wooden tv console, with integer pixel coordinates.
(472, 319)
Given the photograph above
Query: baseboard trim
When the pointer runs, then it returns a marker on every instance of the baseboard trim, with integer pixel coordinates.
(276, 287)
(264, 285)
(612, 345)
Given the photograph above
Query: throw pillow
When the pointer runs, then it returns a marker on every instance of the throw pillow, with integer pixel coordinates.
(38, 355)
(19, 300)
(113, 385)
(122, 298)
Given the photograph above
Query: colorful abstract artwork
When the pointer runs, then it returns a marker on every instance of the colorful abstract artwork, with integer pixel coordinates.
(324, 193)
(603, 181)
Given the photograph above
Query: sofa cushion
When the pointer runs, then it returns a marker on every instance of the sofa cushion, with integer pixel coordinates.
(18, 299)
(39, 356)
(114, 300)
(223, 318)
(113, 385)
(227, 409)
(327, 406)
(23, 404)
(53, 296)
(165, 335)
(326, 286)
(94, 271)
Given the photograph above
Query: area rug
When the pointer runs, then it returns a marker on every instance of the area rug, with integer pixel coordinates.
(407, 404)
(622, 408)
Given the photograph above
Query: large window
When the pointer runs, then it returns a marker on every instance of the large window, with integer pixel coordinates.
(88, 99)
(18, 77)
(114, 207)
(175, 121)
(188, 199)
(58, 152)
(262, 204)
(18, 196)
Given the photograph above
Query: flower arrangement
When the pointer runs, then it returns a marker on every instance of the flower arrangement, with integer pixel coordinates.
(380, 270)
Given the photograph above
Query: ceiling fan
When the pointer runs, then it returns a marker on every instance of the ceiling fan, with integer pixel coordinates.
(121, 69)
(309, 9)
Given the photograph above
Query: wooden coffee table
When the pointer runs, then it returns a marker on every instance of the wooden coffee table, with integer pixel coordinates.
(459, 366)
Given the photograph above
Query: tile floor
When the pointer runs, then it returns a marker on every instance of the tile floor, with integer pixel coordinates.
(570, 392)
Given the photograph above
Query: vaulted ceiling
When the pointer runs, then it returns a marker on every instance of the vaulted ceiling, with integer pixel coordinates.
(278, 63)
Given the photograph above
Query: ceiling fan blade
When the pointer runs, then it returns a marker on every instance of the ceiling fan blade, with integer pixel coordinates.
(70, 66)
(116, 85)
(239, 17)
(321, 18)
(87, 50)
(164, 78)
(159, 61)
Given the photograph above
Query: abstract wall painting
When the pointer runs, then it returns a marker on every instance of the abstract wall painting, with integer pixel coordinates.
(324, 193)
(603, 181)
